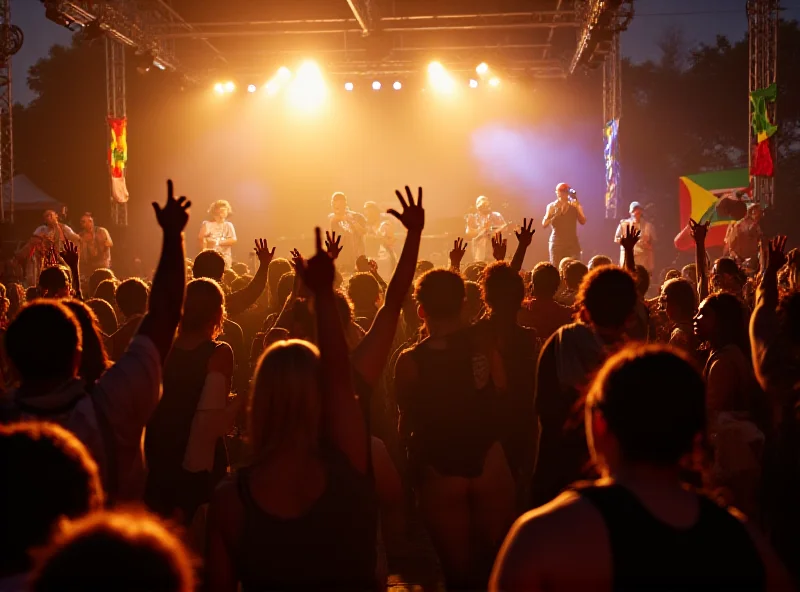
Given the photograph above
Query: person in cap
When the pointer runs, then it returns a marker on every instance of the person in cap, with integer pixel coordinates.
(564, 214)
(481, 227)
(643, 251)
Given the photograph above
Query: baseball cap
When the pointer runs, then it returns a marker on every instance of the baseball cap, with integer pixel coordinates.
(634, 205)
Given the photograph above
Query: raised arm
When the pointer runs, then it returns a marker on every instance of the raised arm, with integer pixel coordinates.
(699, 232)
(341, 414)
(243, 299)
(71, 257)
(524, 238)
(457, 254)
(371, 354)
(628, 242)
(169, 283)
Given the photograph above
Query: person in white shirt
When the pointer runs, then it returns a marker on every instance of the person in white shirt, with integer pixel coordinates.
(481, 227)
(218, 234)
(643, 251)
(47, 241)
(95, 246)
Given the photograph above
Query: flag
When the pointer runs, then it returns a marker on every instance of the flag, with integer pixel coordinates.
(698, 198)
(118, 152)
(611, 154)
(763, 129)
(119, 189)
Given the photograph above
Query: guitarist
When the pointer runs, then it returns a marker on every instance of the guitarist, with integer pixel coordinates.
(482, 224)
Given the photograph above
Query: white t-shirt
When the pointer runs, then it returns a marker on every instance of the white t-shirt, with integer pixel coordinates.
(219, 231)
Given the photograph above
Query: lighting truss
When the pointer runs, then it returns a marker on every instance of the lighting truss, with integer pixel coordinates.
(600, 21)
(10, 43)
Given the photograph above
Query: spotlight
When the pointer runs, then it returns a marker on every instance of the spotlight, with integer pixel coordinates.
(397, 85)
(276, 82)
(494, 81)
(348, 86)
(284, 73)
(482, 68)
(219, 88)
(52, 13)
(473, 83)
(159, 65)
(308, 89)
(440, 80)
(376, 85)
(229, 86)
(93, 30)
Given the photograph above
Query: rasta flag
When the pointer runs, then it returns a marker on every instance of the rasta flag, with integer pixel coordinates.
(611, 155)
(763, 129)
(698, 198)
(118, 157)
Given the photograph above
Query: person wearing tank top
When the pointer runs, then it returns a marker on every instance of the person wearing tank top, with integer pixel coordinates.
(639, 527)
(564, 214)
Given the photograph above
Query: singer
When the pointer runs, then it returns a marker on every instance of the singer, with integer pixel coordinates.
(564, 214)
(351, 226)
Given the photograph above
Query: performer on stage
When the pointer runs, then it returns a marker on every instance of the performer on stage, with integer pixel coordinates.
(218, 234)
(643, 251)
(564, 214)
(743, 237)
(380, 233)
(95, 246)
(481, 227)
(351, 226)
(47, 242)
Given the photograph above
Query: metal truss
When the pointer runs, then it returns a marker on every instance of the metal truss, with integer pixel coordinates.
(116, 105)
(10, 43)
(612, 110)
(600, 22)
(762, 28)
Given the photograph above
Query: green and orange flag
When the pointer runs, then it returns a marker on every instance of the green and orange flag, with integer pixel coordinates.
(698, 198)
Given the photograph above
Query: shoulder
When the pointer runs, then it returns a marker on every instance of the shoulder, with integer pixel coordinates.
(405, 369)
(221, 359)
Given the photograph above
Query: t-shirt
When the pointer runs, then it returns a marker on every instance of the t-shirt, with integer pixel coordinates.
(219, 231)
(546, 316)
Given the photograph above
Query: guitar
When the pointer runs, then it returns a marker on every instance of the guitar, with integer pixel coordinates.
(488, 231)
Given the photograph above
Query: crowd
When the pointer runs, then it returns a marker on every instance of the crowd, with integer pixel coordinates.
(281, 430)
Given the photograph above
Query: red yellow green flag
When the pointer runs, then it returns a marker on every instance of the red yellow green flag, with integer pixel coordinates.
(118, 151)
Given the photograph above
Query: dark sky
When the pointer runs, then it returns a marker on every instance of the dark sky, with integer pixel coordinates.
(700, 20)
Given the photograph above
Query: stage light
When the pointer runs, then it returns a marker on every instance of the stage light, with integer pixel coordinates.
(482, 68)
(440, 80)
(376, 85)
(473, 83)
(348, 86)
(284, 73)
(275, 83)
(308, 90)
(159, 65)
(251, 88)
(397, 85)
(230, 86)
(495, 81)
(219, 88)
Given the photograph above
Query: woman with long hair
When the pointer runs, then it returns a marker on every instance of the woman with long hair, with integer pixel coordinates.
(184, 443)
(303, 514)
(94, 358)
(639, 527)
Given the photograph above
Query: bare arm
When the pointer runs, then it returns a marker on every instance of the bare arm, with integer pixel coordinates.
(699, 232)
(342, 419)
(548, 216)
(371, 354)
(169, 282)
(524, 239)
(581, 216)
(243, 299)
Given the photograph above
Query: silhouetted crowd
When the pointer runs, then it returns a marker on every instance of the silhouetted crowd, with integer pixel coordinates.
(300, 429)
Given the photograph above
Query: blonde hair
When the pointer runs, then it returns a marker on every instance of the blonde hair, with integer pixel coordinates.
(220, 203)
(284, 406)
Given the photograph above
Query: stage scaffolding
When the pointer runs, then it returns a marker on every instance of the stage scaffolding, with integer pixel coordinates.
(10, 43)
(762, 30)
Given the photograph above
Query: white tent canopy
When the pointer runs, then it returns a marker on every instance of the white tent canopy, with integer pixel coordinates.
(28, 196)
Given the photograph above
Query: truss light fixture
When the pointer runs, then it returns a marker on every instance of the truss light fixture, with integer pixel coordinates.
(229, 86)
(473, 83)
(397, 85)
(251, 88)
(482, 68)
(494, 82)
(308, 90)
(348, 86)
(440, 79)
(219, 88)
(376, 85)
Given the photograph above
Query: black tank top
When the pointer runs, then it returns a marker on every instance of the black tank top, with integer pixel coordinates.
(716, 553)
(453, 423)
(565, 228)
(331, 547)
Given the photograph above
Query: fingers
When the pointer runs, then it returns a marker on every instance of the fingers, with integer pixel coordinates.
(410, 196)
(318, 238)
(272, 252)
(419, 196)
(170, 190)
(395, 213)
(402, 200)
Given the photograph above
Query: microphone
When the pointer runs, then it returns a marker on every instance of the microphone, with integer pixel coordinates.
(573, 192)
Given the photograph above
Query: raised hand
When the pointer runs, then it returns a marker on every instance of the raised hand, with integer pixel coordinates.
(332, 244)
(263, 253)
(70, 254)
(457, 254)
(499, 247)
(297, 258)
(630, 238)
(174, 215)
(317, 273)
(526, 232)
(776, 254)
(362, 263)
(698, 231)
(413, 216)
